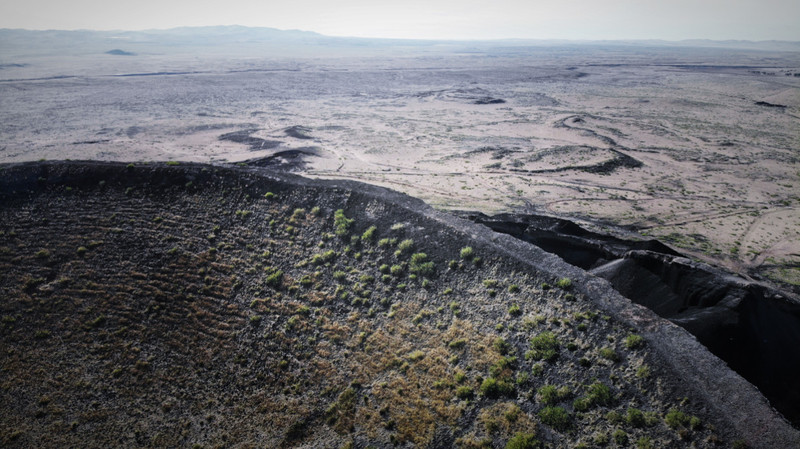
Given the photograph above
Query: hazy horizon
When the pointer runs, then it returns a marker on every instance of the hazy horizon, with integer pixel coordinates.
(432, 19)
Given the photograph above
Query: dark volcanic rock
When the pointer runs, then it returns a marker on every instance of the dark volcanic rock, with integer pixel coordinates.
(753, 328)
(179, 261)
(489, 100)
(770, 105)
(298, 132)
(244, 137)
(286, 161)
(576, 245)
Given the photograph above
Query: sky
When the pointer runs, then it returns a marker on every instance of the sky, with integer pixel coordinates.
(431, 19)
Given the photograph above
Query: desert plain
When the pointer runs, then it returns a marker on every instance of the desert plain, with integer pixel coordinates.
(695, 144)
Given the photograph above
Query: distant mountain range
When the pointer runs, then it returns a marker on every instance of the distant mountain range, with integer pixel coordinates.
(19, 42)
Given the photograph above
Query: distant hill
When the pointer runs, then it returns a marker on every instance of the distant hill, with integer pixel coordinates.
(118, 52)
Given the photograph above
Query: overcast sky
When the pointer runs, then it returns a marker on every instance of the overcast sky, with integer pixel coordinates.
(435, 19)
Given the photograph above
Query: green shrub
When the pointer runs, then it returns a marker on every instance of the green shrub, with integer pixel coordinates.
(513, 288)
(676, 418)
(327, 256)
(634, 341)
(614, 418)
(341, 223)
(457, 344)
(455, 307)
(306, 281)
(274, 279)
(620, 437)
(551, 395)
(490, 283)
(298, 214)
(503, 367)
(597, 394)
(501, 346)
(600, 439)
(269, 195)
(369, 235)
(564, 283)
(555, 417)
(610, 354)
(405, 246)
(464, 392)
(419, 264)
(544, 346)
(493, 388)
(635, 417)
(366, 278)
(467, 252)
(514, 310)
(523, 441)
(644, 443)
(416, 355)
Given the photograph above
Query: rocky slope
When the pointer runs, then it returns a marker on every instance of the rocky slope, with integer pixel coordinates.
(754, 328)
(189, 305)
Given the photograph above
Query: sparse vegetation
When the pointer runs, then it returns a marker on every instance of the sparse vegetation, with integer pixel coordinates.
(317, 330)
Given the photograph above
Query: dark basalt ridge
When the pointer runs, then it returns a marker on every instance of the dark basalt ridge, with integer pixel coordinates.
(770, 105)
(244, 137)
(285, 161)
(489, 100)
(298, 132)
(755, 329)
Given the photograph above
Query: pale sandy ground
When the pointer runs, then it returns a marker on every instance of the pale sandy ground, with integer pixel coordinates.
(720, 178)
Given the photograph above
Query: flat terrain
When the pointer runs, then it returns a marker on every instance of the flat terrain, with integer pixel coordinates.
(695, 146)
